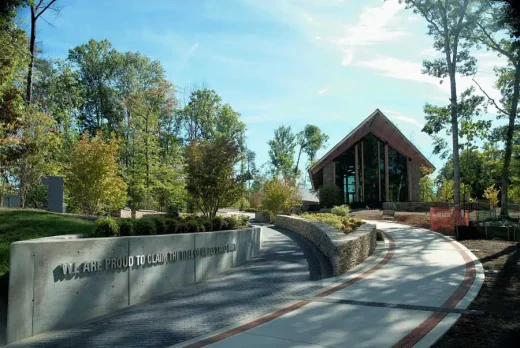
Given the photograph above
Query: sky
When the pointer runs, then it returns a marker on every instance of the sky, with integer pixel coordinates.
(330, 63)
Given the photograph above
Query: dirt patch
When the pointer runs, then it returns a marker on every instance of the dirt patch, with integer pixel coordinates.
(499, 298)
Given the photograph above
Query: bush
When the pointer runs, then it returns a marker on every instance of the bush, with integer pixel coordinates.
(144, 227)
(181, 227)
(250, 210)
(191, 226)
(217, 223)
(172, 226)
(243, 220)
(346, 224)
(172, 211)
(106, 227)
(341, 210)
(330, 196)
(231, 222)
(126, 227)
(279, 197)
(160, 223)
(208, 226)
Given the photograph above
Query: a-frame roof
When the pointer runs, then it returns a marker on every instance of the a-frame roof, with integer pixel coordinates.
(379, 125)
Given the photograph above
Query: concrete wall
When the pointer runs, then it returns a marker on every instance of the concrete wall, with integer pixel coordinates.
(55, 191)
(43, 296)
(344, 251)
(11, 201)
(262, 216)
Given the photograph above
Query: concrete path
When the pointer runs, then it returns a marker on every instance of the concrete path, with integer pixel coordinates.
(409, 292)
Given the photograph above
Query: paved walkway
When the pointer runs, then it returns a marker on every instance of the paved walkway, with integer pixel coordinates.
(285, 298)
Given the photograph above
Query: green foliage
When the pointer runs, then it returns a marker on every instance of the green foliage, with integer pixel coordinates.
(311, 140)
(217, 223)
(191, 226)
(343, 223)
(279, 197)
(230, 223)
(17, 225)
(210, 172)
(172, 226)
(281, 152)
(91, 178)
(342, 210)
(491, 194)
(105, 227)
(126, 227)
(145, 227)
(159, 221)
(330, 196)
(172, 210)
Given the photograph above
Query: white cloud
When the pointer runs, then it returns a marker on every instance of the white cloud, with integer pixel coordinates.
(375, 25)
(323, 90)
(399, 69)
(397, 115)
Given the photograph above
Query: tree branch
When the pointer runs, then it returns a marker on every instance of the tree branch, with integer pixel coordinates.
(425, 15)
(491, 99)
(494, 45)
(45, 8)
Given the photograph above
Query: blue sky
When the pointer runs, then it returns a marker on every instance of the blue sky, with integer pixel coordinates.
(279, 62)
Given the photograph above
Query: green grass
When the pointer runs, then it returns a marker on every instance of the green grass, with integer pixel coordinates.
(16, 225)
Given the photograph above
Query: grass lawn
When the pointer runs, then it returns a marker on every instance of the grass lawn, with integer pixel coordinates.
(16, 225)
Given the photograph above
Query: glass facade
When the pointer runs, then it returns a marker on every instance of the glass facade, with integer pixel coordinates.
(370, 164)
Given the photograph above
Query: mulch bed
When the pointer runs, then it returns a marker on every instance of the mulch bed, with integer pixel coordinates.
(499, 298)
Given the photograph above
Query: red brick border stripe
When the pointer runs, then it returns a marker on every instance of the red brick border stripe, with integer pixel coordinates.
(429, 323)
(297, 305)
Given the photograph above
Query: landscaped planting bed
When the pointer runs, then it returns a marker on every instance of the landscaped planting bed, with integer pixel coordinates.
(343, 223)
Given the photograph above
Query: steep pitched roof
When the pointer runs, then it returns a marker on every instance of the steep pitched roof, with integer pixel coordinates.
(379, 125)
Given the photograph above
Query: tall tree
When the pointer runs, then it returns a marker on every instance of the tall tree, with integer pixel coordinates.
(449, 22)
(97, 63)
(281, 152)
(38, 8)
(508, 79)
(310, 140)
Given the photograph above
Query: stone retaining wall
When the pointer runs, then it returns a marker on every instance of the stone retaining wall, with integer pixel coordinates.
(344, 251)
(61, 281)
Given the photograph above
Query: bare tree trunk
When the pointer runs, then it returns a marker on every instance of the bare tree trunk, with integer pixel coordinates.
(31, 59)
(298, 161)
(504, 211)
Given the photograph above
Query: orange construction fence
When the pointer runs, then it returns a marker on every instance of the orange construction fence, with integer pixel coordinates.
(445, 219)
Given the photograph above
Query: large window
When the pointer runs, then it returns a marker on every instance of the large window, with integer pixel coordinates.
(397, 175)
(371, 173)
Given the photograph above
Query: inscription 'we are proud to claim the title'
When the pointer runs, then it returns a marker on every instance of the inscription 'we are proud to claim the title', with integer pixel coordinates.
(143, 260)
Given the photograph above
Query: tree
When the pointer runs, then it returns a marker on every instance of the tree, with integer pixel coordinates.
(449, 22)
(97, 64)
(210, 174)
(39, 133)
(491, 194)
(281, 152)
(508, 80)
(38, 8)
(91, 179)
(426, 185)
(279, 197)
(311, 139)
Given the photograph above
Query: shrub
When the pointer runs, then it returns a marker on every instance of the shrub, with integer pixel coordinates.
(279, 197)
(172, 226)
(251, 210)
(172, 211)
(346, 224)
(191, 226)
(217, 223)
(243, 220)
(144, 227)
(160, 223)
(341, 210)
(208, 226)
(231, 222)
(330, 195)
(105, 227)
(181, 227)
(126, 227)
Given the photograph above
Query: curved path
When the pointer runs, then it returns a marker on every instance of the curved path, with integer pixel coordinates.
(409, 292)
